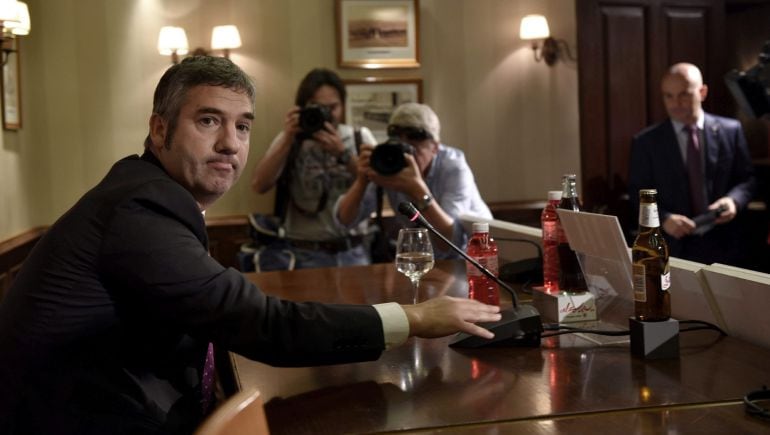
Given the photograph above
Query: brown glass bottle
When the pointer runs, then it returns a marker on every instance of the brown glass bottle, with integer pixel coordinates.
(652, 277)
(571, 278)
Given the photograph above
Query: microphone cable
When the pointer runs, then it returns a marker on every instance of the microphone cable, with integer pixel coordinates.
(526, 287)
(561, 329)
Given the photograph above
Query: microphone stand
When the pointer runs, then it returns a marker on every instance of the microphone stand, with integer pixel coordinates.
(519, 326)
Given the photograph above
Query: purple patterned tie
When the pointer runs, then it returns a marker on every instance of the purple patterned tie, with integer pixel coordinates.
(207, 381)
(694, 172)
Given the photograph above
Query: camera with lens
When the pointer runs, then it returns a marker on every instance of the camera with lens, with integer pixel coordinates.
(751, 88)
(313, 117)
(388, 157)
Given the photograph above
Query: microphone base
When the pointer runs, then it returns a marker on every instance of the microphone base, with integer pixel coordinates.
(520, 326)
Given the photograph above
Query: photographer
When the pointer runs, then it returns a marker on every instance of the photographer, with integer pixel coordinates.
(435, 177)
(312, 162)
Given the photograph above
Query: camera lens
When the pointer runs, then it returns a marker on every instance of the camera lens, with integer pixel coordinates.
(388, 158)
(313, 117)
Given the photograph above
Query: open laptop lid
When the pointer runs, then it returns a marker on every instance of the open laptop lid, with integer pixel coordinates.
(602, 251)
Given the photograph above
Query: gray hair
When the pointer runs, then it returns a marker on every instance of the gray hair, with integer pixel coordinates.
(171, 92)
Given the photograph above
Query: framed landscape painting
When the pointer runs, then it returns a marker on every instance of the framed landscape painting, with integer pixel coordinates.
(377, 33)
(371, 101)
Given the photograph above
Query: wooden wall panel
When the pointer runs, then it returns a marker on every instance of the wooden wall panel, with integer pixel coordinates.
(13, 252)
(625, 62)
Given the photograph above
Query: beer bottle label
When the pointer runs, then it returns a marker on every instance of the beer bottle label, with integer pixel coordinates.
(640, 283)
(665, 281)
(648, 215)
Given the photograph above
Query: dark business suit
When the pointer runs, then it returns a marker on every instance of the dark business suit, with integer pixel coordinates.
(657, 163)
(106, 327)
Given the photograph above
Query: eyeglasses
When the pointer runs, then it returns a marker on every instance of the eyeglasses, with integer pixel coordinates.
(411, 133)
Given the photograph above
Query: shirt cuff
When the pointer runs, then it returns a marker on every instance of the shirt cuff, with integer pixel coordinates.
(395, 325)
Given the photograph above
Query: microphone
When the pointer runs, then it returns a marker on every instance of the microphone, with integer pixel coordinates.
(519, 326)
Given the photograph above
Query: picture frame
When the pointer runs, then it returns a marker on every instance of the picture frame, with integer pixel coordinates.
(377, 33)
(371, 101)
(11, 101)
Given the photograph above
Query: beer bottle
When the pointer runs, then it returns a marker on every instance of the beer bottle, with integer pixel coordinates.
(652, 277)
(571, 278)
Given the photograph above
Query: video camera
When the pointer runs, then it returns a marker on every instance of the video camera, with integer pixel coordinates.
(751, 88)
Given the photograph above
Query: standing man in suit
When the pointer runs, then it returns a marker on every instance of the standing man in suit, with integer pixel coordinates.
(108, 328)
(699, 163)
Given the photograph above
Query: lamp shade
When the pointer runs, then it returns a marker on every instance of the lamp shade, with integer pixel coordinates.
(9, 11)
(23, 25)
(225, 37)
(534, 27)
(172, 40)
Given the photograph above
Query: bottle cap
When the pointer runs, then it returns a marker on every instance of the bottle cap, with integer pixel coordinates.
(480, 227)
(554, 195)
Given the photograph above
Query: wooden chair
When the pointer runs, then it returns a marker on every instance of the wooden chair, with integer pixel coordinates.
(243, 413)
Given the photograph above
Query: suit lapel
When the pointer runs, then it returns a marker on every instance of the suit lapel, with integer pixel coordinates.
(712, 135)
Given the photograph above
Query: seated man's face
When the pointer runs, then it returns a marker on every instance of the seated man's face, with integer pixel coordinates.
(329, 97)
(208, 149)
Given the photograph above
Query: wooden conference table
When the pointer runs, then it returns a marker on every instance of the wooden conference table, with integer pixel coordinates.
(570, 384)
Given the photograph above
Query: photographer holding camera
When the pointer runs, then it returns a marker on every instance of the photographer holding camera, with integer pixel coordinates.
(413, 165)
(312, 162)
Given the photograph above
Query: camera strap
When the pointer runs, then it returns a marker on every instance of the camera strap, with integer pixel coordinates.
(380, 192)
(282, 191)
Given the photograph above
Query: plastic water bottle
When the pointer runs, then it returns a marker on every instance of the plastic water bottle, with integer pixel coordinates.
(549, 221)
(482, 248)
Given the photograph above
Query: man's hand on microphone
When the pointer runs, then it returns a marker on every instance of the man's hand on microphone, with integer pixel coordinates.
(446, 315)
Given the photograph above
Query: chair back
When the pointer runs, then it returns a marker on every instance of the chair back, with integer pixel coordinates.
(243, 413)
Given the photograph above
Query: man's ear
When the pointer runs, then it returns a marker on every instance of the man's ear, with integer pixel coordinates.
(434, 146)
(158, 130)
(704, 91)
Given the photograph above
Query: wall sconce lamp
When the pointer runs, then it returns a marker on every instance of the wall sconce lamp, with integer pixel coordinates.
(535, 28)
(14, 21)
(172, 41)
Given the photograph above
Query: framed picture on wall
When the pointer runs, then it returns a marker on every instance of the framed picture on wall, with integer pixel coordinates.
(371, 101)
(378, 33)
(11, 89)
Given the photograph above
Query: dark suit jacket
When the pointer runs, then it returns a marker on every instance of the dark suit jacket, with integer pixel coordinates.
(105, 328)
(656, 163)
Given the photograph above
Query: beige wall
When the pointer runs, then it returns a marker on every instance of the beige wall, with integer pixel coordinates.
(89, 68)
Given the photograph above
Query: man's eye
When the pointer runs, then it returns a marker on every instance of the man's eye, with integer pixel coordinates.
(244, 127)
(207, 121)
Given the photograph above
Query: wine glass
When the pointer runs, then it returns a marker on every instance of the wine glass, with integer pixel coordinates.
(414, 255)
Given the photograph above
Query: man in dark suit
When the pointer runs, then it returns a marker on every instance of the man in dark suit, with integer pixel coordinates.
(107, 328)
(699, 163)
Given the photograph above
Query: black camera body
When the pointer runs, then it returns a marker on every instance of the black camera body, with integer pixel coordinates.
(751, 88)
(313, 117)
(388, 157)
